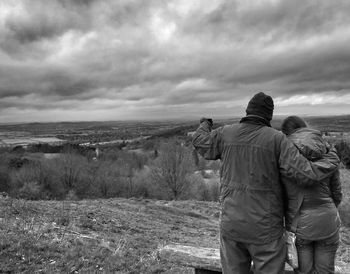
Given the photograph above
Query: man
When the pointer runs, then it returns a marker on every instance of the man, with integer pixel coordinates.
(254, 160)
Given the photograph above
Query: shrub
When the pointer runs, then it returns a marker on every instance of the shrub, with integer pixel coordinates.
(5, 180)
(22, 180)
(211, 189)
(30, 191)
(194, 188)
(343, 148)
(43, 173)
(69, 171)
(142, 184)
(18, 162)
(172, 168)
(150, 144)
(147, 187)
(104, 179)
(71, 195)
(116, 173)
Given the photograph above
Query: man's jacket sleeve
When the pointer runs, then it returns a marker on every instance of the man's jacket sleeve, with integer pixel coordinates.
(208, 143)
(294, 165)
(335, 188)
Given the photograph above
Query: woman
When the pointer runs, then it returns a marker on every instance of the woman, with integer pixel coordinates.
(312, 212)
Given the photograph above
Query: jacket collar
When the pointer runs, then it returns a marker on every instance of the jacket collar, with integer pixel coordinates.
(255, 120)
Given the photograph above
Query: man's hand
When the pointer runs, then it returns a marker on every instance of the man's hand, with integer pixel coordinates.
(208, 122)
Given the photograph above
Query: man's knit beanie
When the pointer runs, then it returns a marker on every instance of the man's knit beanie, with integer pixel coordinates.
(261, 105)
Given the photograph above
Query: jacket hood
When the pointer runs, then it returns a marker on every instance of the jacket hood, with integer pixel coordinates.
(310, 143)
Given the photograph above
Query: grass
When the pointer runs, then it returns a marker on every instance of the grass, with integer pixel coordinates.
(112, 235)
(99, 236)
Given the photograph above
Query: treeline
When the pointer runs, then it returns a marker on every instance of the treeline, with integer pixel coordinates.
(153, 168)
(52, 148)
(167, 171)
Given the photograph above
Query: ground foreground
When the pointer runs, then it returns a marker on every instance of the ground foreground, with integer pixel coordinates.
(103, 236)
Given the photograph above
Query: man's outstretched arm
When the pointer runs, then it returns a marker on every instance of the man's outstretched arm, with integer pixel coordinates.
(294, 165)
(208, 142)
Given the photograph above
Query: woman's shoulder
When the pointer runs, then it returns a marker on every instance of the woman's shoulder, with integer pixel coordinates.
(310, 143)
(307, 131)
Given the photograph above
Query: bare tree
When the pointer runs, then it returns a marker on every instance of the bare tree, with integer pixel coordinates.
(173, 167)
(69, 170)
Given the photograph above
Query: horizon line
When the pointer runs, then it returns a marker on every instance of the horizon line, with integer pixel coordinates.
(219, 117)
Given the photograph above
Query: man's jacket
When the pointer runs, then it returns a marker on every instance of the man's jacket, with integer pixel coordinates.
(254, 160)
(318, 217)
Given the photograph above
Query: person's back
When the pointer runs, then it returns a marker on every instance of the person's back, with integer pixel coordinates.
(251, 182)
(312, 212)
(254, 157)
(318, 213)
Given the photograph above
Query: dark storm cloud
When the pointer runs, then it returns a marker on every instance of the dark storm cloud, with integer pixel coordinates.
(34, 22)
(145, 57)
(42, 27)
(283, 39)
(22, 81)
(272, 20)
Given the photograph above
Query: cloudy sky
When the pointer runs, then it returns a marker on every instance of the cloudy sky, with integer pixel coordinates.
(125, 59)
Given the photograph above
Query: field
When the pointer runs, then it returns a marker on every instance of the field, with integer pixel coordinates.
(111, 235)
(104, 236)
(74, 234)
(100, 236)
(82, 132)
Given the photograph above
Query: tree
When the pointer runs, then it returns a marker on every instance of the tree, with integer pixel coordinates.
(69, 170)
(173, 167)
(128, 173)
(105, 177)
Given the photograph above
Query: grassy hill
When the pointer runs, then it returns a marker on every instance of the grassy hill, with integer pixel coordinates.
(102, 236)
(110, 235)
